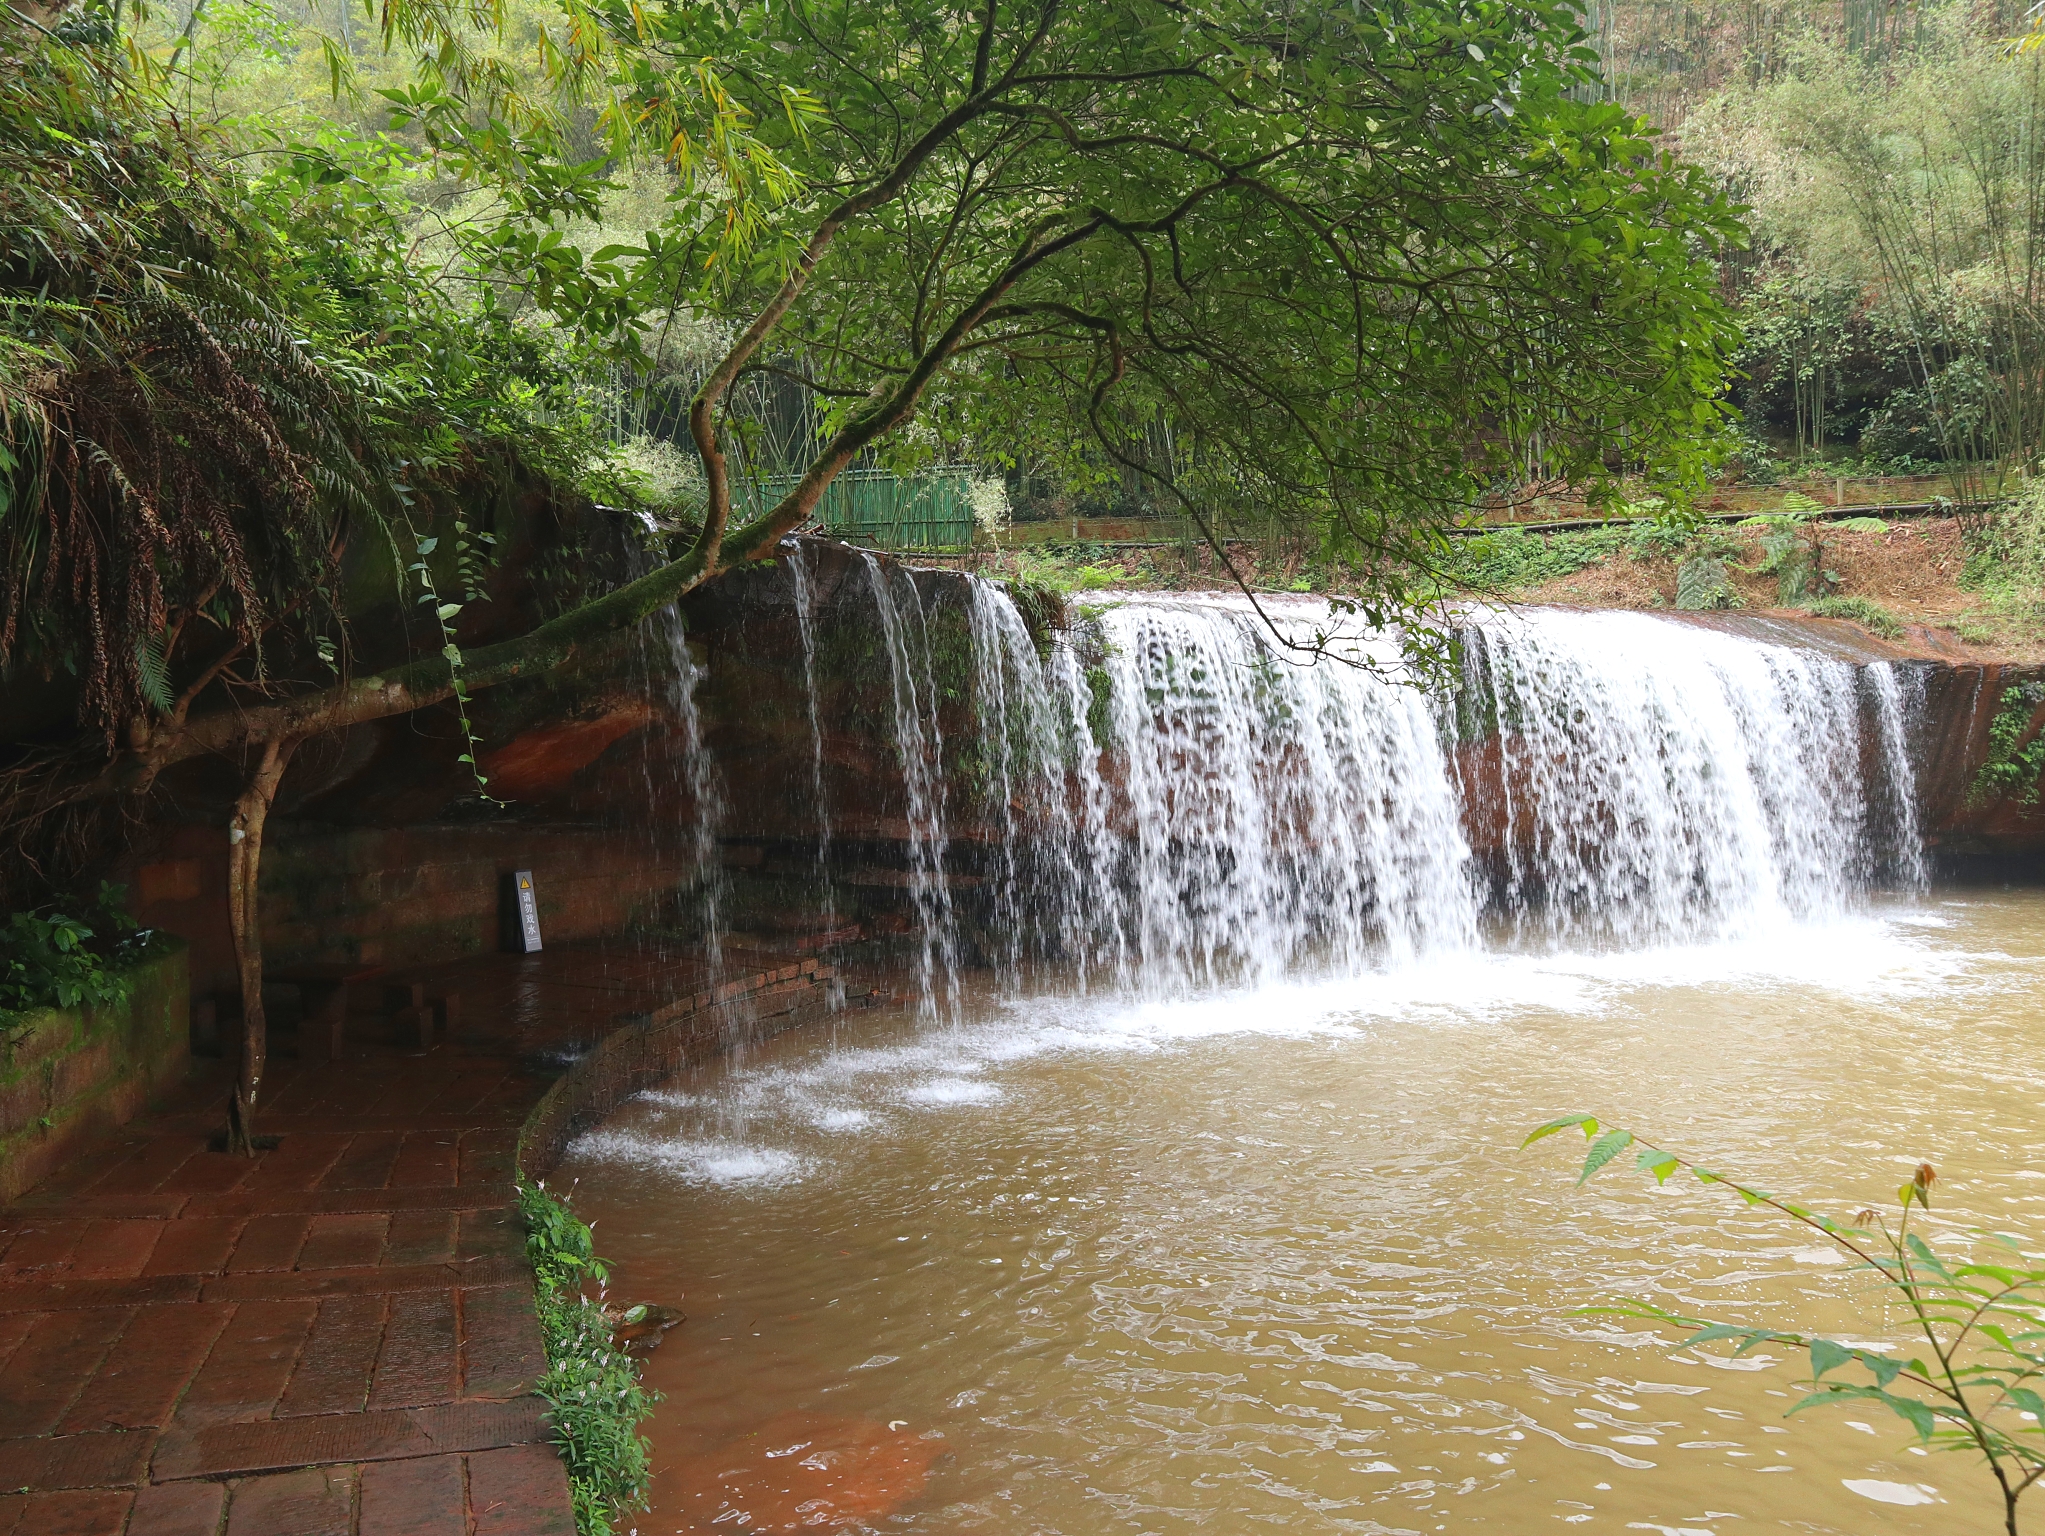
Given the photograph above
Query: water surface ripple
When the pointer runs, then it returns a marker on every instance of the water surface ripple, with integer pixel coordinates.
(1267, 1258)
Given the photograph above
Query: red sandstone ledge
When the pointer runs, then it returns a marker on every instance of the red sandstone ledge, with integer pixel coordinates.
(338, 1335)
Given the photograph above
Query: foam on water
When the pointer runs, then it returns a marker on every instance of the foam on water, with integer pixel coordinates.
(712, 1161)
(728, 1136)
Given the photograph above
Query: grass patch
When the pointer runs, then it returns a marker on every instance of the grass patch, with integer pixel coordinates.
(591, 1386)
(2006, 559)
(1507, 558)
(1063, 569)
(1864, 611)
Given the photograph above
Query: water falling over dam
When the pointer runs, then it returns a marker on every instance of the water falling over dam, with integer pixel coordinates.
(1173, 792)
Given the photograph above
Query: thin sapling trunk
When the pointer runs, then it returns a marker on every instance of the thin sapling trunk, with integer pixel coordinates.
(244, 919)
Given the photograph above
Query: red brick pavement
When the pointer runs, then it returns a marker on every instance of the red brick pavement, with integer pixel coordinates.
(334, 1337)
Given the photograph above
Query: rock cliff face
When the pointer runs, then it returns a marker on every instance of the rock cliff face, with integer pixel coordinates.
(382, 850)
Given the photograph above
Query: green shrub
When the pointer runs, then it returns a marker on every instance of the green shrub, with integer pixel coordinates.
(2014, 765)
(1701, 584)
(591, 1386)
(2006, 553)
(1793, 552)
(1504, 558)
(1981, 1317)
(50, 958)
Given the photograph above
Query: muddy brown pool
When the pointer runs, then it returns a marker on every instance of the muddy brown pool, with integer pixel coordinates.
(1272, 1260)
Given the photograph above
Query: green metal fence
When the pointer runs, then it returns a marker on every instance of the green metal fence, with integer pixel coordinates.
(929, 509)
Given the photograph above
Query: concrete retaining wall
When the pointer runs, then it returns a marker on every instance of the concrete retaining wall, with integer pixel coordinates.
(647, 1049)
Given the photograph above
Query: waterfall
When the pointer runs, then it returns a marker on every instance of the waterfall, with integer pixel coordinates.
(1243, 814)
(805, 621)
(919, 746)
(705, 785)
(1655, 780)
(1161, 797)
(1207, 808)
(1896, 697)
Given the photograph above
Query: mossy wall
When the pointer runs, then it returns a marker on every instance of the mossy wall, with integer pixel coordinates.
(67, 1074)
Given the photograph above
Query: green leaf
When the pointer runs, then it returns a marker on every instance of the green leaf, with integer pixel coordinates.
(152, 674)
(1827, 1356)
(1657, 1162)
(1829, 1393)
(1921, 1418)
(1588, 1122)
(427, 546)
(1603, 1150)
(448, 611)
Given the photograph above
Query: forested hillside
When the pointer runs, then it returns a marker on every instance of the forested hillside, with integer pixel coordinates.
(1891, 158)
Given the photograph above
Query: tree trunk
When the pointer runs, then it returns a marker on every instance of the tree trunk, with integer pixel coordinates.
(244, 920)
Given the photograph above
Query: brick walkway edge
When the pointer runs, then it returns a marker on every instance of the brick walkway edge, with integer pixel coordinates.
(336, 1338)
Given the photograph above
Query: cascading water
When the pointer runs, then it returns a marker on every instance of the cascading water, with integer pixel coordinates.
(933, 1255)
(1172, 800)
(1242, 814)
(1896, 696)
(919, 745)
(805, 620)
(698, 770)
(1656, 781)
